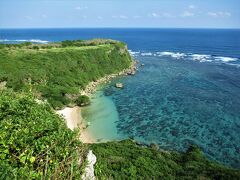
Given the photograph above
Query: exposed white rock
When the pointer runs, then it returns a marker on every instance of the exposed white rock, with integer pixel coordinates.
(3, 84)
(119, 85)
(89, 170)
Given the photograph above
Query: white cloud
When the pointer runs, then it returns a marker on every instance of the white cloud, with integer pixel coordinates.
(123, 17)
(154, 15)
(120, 17)
(162, 15)
(219, 14)
(137, 17)
(81, 7)
(187, 14)
(191, 7)
(168, 15)
(99, 17)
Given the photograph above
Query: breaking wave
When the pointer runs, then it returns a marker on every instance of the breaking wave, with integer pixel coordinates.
(24, 40)
(188, 56)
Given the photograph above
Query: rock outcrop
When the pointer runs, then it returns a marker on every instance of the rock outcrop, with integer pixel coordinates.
(119, 85)
(89, 170)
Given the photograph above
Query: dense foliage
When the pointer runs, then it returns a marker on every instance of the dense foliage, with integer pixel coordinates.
(127, 160)
(83, 100)
(35, 142)
(59, 71)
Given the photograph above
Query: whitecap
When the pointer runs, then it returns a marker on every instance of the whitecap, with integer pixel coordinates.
(146, 54)
(225, 59)
(187, 56)
(201, 57)
(24, 40)
(133, 53)
(172, 54)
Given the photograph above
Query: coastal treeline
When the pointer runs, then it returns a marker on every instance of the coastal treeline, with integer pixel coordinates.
(130, 160)
(59, 71)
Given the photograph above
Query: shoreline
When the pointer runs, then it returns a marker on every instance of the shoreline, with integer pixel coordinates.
(73, 119)
(73, 116)
(92, 86)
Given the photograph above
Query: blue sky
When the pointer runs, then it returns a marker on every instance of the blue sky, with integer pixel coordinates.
(120, 13)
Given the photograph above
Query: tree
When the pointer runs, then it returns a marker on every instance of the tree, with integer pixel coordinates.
(82, 100)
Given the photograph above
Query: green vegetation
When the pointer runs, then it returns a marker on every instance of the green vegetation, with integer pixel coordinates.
(35, 143)
(82, 100)
(58, 71)
(127, 160)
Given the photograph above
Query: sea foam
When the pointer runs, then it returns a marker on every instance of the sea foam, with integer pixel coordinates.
(25, 40)
(188, 56)
(172, 54)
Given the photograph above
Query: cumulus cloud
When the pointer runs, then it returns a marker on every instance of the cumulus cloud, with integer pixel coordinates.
(187, 14)
(219, 14)
(81, 7)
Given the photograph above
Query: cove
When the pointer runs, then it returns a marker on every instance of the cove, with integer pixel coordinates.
(174, 103)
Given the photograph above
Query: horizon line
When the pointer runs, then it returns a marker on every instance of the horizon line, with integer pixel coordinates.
(235, 28)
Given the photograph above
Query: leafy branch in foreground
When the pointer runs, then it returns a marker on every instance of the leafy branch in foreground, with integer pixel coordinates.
(35, 143)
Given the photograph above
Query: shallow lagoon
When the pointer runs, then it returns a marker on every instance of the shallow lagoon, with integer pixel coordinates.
(173, 103)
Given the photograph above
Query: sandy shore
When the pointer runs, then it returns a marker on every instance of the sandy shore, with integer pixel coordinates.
(73, 115)
(74, 120)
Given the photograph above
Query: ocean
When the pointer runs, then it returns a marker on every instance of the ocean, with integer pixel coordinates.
(186, 92)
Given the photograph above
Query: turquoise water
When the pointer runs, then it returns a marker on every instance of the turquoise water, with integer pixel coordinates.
(101, 117)
(173, 103)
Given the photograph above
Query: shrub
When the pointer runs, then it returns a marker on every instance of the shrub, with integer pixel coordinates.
(82, 100)
(35, 143)
(35, 47)
(128, 160)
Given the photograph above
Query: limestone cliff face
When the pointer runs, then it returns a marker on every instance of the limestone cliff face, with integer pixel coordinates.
(89, 170)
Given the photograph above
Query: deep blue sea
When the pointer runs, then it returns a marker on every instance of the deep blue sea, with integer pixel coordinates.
(187, 92)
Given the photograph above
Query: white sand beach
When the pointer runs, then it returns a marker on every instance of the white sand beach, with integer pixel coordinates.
(74, 120)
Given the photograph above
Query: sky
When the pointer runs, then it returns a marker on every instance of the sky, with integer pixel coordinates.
(120, 13)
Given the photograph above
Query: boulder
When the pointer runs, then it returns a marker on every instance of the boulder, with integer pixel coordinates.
(119, 85)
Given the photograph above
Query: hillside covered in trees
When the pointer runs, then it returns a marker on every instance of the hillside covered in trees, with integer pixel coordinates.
(58, 71)
(130, 160)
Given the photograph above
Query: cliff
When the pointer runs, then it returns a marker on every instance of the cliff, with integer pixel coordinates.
(59, 71)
